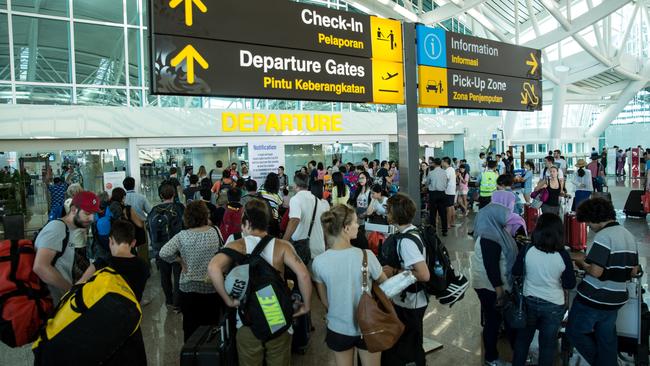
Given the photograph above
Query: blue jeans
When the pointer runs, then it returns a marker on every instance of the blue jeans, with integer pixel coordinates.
(593, 333)
(545, 317)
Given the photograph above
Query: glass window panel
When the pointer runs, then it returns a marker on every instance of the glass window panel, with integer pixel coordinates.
(134, 57)
(132, 16)
(5, 71)
(541, 148)
(145, 13)
(5, 94)
(387, 108)
(317, 106)
(99, 62)
(101, 96)
(49, 7)
(530, 148)
(28, 94)
(136, 98)
(41, 50)
(3, 4)
(106, 10)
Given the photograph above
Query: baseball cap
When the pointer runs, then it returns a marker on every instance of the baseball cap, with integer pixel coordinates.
(237, 281)
(86, 201)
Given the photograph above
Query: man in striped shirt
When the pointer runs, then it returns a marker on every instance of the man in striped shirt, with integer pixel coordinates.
(611, 262)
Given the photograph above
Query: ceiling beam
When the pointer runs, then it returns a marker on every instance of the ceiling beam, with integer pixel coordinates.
(597, 13)
(448, 10)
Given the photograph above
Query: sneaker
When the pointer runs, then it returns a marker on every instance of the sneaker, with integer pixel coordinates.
(455, 291)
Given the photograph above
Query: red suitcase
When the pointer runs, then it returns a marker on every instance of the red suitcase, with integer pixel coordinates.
(575, 233)
(646, 202)
(530, 216)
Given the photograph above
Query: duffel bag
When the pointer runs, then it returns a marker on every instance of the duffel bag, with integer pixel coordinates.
(90, 323)
(25, 302)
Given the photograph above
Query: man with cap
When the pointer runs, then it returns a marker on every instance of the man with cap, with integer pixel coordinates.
(54, 257)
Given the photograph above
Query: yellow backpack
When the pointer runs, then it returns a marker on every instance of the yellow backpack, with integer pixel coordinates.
(90, 323)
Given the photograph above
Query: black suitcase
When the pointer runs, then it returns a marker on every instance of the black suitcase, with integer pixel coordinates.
(633, 205)
(212, 345)
(605, 194)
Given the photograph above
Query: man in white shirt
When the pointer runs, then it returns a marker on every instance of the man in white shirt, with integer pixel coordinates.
(450, 191)
(559, 161)
(301, 210)
(501, 166)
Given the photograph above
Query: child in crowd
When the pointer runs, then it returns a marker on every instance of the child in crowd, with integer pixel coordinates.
(135, 272)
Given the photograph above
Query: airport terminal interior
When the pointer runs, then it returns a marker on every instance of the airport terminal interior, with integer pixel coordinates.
(109, 96)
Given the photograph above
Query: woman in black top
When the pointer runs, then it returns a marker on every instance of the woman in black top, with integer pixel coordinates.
(555, 188)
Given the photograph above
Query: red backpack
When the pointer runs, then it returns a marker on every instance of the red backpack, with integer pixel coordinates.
(231, 222)
(24, 300)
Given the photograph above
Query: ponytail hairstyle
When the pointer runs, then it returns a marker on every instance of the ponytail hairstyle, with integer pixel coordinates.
(335, 220)
(581, 172)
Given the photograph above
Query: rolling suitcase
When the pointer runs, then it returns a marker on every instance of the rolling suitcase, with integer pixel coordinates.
(633, 205)
(604, 195)
(575, 232)
(212, 345)
(530, 217)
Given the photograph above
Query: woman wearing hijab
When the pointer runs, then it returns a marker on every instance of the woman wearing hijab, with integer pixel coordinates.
(495, 252)
(515, 224)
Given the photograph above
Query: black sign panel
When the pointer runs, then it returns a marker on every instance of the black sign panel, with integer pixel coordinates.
(280, 23)
(244, 70)
(439, 48)
(440, 87)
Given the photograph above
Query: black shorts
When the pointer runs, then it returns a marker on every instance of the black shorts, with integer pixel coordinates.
(341, 343)
(451, 200)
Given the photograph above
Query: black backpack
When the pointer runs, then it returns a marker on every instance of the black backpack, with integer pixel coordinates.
(164, 222)
(435, 256)
(266, 307)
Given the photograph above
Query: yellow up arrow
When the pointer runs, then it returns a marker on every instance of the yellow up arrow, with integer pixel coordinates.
(532, 63)
(190, 54)
(188, 8)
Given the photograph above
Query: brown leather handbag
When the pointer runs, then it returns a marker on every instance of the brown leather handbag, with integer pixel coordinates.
(379, 324)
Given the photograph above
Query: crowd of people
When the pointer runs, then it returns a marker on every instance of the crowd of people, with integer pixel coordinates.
(209, 224)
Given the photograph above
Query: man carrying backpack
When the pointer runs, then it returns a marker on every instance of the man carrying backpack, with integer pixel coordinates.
(54, 257)
(164, 221)
(262, 335)
(410, 306)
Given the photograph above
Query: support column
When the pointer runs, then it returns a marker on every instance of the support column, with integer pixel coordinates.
(613, 110)
(133, 163)
(509, 127)
(559, 100)
(407, 124)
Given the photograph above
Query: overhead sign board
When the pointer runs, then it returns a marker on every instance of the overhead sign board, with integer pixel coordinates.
(440, 87)
(439, 48)
(245, 70)
(281, 23)
(274, 49)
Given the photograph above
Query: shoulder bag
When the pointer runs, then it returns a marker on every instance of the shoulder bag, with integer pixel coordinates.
(514, 311)
(378, 321)
(302, 245)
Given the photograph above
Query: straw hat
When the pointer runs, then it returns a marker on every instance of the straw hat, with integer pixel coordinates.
(581, 163)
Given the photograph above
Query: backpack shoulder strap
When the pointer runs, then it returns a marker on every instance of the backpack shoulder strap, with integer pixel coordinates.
(64, 243)
(236, 256)
(313, 217)
(259, 248)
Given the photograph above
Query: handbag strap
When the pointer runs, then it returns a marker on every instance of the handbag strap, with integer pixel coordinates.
(313, 217)
(364, 273)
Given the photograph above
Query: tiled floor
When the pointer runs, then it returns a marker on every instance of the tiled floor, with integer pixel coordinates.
(457, 328)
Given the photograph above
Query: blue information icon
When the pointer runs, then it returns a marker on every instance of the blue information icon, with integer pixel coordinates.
(432, 46)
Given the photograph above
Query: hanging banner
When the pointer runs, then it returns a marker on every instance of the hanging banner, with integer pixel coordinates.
(264, 158)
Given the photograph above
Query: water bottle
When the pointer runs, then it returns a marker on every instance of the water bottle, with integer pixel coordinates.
(437, 269)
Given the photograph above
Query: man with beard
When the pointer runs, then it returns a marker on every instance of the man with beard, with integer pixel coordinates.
(54, 257)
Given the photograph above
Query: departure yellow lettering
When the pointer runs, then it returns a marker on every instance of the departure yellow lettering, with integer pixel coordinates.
(272, 123)
(336, 122)
(246, 122)
(285, 121)
(260, 120)
(228, 127)
(325, 123)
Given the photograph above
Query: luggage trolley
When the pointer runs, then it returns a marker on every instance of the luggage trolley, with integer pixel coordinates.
(631, 326)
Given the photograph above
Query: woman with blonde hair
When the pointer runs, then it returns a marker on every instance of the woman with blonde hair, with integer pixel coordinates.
(342, 263)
